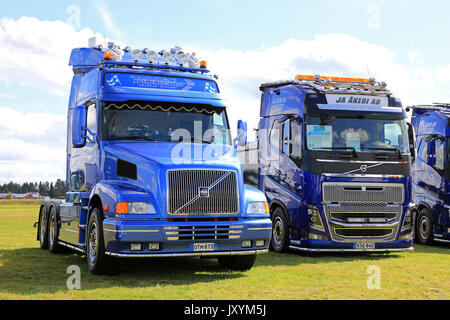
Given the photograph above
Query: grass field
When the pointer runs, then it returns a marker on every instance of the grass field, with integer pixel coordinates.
(27, 272)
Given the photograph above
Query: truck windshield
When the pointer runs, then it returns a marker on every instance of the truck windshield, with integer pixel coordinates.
(357, 133)
(157, 121)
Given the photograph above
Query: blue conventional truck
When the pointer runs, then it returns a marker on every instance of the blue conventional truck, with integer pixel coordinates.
(431, 177)
(334, 160)
(151, 167)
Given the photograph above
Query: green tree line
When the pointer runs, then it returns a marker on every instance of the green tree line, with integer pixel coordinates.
(48, 189)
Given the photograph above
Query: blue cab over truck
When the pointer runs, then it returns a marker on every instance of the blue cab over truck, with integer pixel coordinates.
(151, 168)
(335, 164)
(431, 177)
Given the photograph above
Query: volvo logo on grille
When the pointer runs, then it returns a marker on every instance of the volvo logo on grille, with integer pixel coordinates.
(364, 168)
(203, 192)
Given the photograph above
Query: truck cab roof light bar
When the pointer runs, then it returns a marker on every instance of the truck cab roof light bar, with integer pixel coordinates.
(174, 59)
(328, 84)
(435, 106)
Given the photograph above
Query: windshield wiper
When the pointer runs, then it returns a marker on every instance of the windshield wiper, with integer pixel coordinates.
(132, 138)
(201, 140)
(394, 149)
(353, 150)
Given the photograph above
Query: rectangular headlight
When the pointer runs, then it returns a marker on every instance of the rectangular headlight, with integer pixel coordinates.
(135, 208)
(258, 207)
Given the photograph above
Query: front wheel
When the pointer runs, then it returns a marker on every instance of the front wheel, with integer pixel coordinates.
(239, 263)
(424, 227)
(98, 262)
(280, 231)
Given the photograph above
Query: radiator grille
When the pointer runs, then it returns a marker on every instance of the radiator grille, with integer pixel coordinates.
(348, 205)
(362, 193)
(202, 192)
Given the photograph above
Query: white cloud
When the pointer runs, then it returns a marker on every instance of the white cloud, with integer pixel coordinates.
(36, 53)
(32, 146)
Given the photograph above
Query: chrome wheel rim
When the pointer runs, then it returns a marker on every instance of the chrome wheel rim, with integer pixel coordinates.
(277, 233)
(52, 230)
(424, 228)
(42, 228)
(93, 243)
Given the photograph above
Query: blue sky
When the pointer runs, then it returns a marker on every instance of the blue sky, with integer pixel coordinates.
(404, 43)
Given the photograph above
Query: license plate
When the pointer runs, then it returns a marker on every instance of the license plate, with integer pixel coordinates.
(203, 246)
(365, 245)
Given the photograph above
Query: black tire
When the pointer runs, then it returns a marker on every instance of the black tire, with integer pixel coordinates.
(424, 227)
(238, 263)
(98, 262)
(280, 231)
(53, 232)
(43, 237)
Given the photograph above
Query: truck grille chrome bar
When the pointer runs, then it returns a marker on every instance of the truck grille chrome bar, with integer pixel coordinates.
(202, 192)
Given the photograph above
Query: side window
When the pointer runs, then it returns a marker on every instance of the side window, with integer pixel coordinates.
(91, 120)
(439, 154)
(422, 152)
(296, 137)
(275, 135)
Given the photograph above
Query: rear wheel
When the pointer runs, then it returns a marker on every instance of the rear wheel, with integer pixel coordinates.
(280, 231)
(53, 232)
(424, 227)
(239, 263)
(98, 262)
(43, 238)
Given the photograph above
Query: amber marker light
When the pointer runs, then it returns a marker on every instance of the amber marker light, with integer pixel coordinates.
(122, 208)
(203, 64)
(108, 55)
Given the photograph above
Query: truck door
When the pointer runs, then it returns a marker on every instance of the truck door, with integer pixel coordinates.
(290, 159)
(434, 176)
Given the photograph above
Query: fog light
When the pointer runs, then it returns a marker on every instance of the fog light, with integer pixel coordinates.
(407, 236)
(314, 236)
(246, 244)
(260, 243)
(153, 246)
(136, 247)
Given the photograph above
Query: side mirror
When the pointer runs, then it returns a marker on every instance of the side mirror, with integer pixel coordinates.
(412, 141)
(241, 139)
(79, 126)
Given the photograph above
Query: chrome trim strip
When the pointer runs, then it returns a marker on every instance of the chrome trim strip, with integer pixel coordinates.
(365, 225)
(255, 229)
(343, 175)
(361, 161)
(351, 250)
(71, 246)
(119, 231)
(441, 240)
(197, 254)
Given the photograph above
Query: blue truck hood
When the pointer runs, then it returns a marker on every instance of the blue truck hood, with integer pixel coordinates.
(177, 154)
